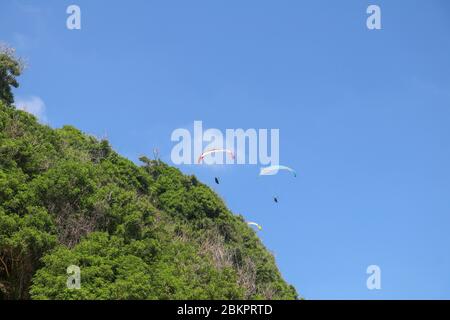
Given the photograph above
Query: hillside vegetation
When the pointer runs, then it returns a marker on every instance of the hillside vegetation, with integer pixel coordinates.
(136, 232)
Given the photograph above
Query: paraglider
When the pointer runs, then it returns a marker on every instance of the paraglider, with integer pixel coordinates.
(272, 170)
(204, 154)
(255, 224)
(217, 180)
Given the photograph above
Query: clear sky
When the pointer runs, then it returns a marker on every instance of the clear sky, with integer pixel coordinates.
(364, 118)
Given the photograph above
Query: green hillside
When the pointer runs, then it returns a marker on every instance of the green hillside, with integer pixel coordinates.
(136, 232)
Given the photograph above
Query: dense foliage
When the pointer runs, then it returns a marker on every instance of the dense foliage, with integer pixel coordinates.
(10, 68)
(146, 232)
(149, 232)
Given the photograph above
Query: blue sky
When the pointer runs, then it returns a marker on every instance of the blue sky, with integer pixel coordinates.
(363, 118)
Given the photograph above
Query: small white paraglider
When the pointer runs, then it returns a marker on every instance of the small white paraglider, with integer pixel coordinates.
(255, 224)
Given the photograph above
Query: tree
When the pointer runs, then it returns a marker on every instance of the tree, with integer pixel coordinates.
(10, 68)
(147, 232)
